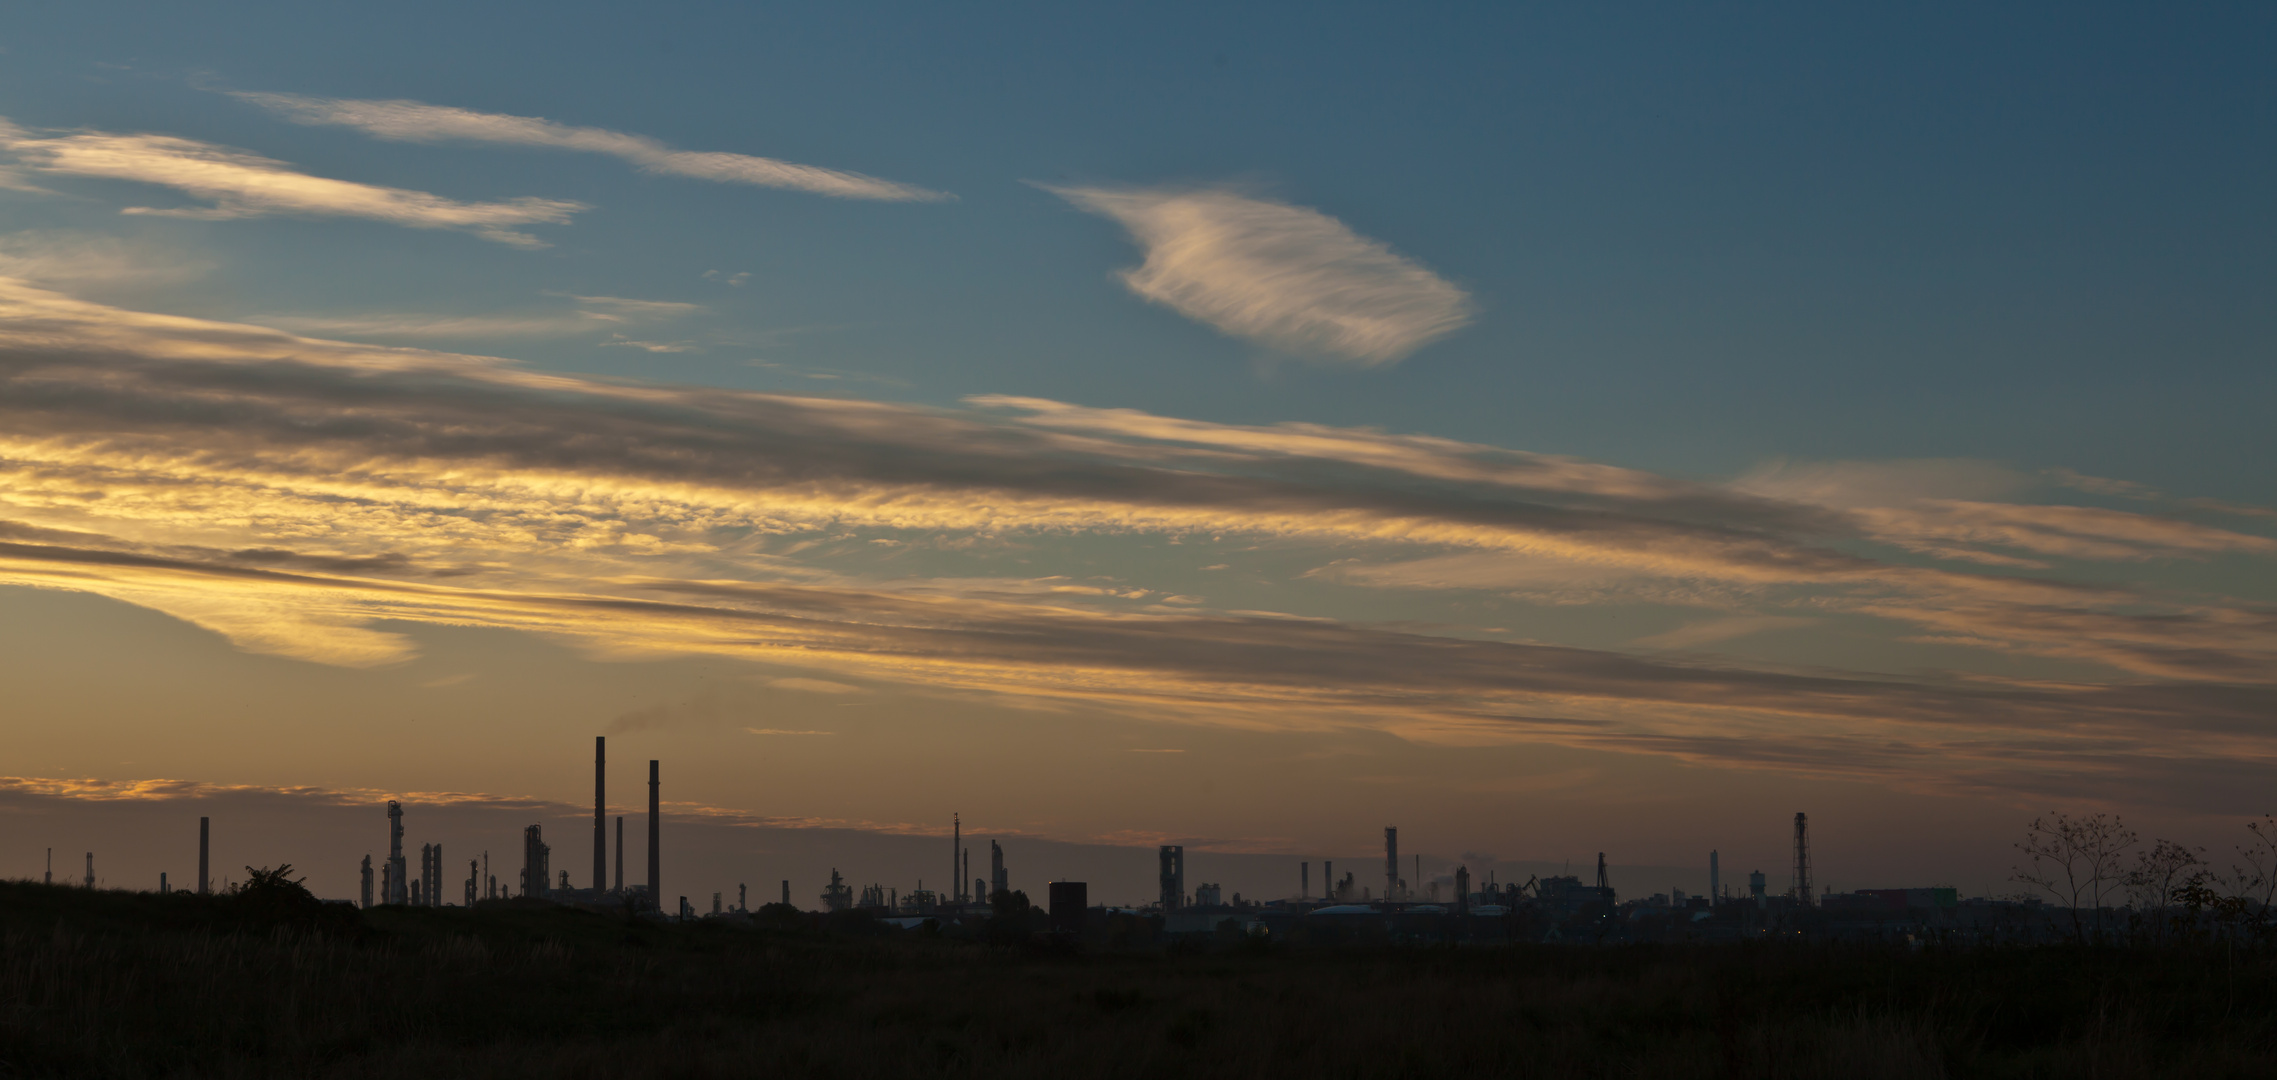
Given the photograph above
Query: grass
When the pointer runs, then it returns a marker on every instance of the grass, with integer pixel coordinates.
(126, 985)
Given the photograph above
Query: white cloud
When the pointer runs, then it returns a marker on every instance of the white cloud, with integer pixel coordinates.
(1852, 484)
(71, 258)
(1946, 508)
(240, 184)
(593, 313)
(1292, 278)
(414, 121)
(12, 179)
(622, 342)
(622, 309)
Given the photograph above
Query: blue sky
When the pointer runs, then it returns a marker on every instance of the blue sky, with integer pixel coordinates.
(1977, 299)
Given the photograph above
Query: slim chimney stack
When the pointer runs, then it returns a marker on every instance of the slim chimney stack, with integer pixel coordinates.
(655, 836)
(600, 812)
(398, 877)
(1802, 889)
(956, 845)
(1391, 863)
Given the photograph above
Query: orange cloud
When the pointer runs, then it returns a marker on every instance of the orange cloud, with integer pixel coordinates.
(294, 493)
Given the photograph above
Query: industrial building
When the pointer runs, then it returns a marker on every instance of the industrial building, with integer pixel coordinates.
(1552, 908)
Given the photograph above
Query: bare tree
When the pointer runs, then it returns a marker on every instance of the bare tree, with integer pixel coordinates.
(2252, 881)
(2076, 860)
(2157, 874)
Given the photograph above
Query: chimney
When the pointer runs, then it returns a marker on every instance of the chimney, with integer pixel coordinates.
(90, 869)
(956, 844)
(786, 893)
(600, 812)
(1391, 863)
(398, 879)
(1802, 887)
(205, 877)
(655, 837)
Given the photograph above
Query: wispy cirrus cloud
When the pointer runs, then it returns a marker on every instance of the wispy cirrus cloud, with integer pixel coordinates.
(414, 121)
(592, 313)
(1289, 277)
(297, 494)
(72, 259)
(1947, 508)
(238, 184)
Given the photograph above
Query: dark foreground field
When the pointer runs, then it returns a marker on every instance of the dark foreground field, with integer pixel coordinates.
(111, 984)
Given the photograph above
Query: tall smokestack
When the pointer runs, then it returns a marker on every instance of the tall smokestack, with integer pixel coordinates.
(600, 812)
(956, 845)
(205, 836)
(1391, 863)
(398, 879)
(90, 869)
(655, 837)
(1802, 888)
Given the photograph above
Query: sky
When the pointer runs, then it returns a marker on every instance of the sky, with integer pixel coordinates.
(1550, 430)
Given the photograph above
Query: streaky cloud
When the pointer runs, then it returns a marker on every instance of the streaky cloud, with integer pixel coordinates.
(1286, 276)
(238, 184)
(592, 314)
(414, 121)
(298, 495)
